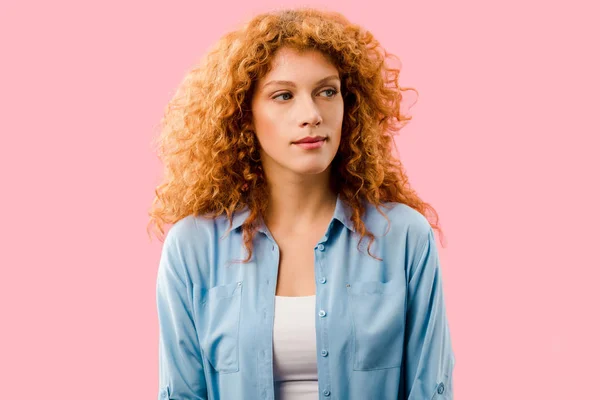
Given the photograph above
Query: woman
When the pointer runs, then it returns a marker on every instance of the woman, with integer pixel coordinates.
(278, 161)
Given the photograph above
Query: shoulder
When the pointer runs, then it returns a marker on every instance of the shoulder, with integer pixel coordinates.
(405, 231)
(194, 230)
(188, 244)
(403, 220)
(182, 229)
(182, 235)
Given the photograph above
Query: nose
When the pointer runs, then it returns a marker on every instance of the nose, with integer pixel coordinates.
(310, 114)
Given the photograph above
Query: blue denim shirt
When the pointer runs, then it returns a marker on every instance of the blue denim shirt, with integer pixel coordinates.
(381, 326)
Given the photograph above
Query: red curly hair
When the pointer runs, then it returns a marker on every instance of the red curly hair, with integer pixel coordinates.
(211, 158)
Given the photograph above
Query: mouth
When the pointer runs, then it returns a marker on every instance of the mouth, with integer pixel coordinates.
(311, 145)
(310, 140)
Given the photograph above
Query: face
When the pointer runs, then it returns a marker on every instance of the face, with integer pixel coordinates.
(299, 97)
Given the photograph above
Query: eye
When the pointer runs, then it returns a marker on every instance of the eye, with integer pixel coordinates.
(331, 90)
(332, 94)
(281, 94)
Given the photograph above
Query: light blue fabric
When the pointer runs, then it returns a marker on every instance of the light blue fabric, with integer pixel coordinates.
(382, 324)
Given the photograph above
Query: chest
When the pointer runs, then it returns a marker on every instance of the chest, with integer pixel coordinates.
(296, 270)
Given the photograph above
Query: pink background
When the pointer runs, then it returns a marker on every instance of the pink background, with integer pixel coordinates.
(503, 144)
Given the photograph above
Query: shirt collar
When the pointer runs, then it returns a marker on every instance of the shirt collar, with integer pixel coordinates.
(342, 213)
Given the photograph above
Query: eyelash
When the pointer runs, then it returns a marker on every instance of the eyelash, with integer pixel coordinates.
(335, 92)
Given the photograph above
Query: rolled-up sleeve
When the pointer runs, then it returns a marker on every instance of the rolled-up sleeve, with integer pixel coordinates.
(181, 373)
(428, 355)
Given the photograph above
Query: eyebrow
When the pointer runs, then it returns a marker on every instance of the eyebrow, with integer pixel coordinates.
(292, 84)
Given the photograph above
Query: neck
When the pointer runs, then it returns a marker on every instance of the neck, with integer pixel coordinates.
(296, 206)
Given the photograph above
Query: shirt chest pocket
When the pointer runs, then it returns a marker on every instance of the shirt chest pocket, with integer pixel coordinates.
(378, 322)
(218, 319)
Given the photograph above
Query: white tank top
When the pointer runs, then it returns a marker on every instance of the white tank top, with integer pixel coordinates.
(295, 348)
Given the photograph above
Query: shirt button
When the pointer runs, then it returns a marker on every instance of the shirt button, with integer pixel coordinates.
(321, 247)
(324, 353)
(326, 392)
(322, 313)
(323, 279)
(440, 389)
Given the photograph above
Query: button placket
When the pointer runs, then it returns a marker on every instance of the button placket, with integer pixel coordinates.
(322, 313)
(440, 388)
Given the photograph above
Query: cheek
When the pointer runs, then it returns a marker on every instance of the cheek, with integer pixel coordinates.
(269, 134)
(336, 114)
(337, 121)
(267, 123)
(262, 126)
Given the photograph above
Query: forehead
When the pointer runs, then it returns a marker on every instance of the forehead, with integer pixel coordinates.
(302, 63)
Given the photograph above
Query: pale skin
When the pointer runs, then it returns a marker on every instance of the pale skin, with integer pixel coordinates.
(301, 204)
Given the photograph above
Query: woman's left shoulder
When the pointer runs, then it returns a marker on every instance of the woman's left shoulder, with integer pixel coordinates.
(403, 220)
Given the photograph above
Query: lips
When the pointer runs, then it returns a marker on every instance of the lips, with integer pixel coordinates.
(311, 139)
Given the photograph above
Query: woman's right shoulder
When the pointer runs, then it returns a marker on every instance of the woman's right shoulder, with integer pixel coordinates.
(188, 242)
(195, 229)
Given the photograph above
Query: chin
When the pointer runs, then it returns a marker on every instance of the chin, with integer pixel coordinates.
(312, 169)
